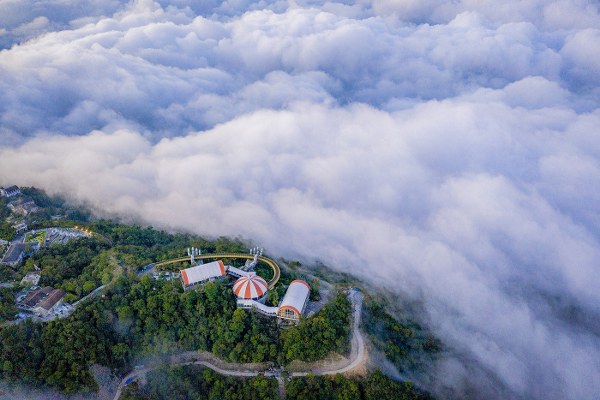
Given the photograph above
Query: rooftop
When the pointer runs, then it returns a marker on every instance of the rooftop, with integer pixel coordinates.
(34, 297)
(203, 272)
(53, 298)
(250, 286)
(45, 297)
(14, 253)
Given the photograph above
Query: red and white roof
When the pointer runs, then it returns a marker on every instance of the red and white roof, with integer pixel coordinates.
(250, 286)
(203, 272)
(295, 297)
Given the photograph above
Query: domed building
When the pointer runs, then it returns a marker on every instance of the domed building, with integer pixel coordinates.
(294, 301)
(251, 287)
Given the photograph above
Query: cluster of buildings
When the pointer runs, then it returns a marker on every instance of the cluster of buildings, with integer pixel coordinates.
(23, 206)
(63, 235)
(10, 191)
(42, 302)
(251, 290)
(17, 250)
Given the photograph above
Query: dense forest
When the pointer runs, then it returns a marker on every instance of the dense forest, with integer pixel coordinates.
(7, 304)
(376, 386)
(315, 337)
(137, 317)
(405, 343)
(194, 382)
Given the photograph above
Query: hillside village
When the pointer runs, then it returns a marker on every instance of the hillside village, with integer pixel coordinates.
(30, 299)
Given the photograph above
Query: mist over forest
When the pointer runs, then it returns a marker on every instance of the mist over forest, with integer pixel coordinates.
(445, 152)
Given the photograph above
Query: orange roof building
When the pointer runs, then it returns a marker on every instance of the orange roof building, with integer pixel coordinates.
(250, 287)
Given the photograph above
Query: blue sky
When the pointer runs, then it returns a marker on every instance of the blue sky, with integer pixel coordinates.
(446, 151)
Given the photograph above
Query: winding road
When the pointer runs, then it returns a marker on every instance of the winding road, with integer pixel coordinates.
(357, 351)
(357, 357)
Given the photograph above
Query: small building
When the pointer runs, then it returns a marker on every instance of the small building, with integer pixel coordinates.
(250, 287)
(294, 302)
(50, 303)
(10, 191)
(20, 227)
(14, 254)
(23, 206)
(42, 301)
(193, 276)
(31, 279)
(165, 276)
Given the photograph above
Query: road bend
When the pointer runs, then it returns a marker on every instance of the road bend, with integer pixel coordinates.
(357, 358)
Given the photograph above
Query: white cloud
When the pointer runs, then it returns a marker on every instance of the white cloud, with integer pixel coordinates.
(447, 151)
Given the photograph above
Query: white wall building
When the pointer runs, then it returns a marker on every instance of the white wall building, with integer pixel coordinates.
(10, 191)
(294, 301)
(193, 276)
(290, 309)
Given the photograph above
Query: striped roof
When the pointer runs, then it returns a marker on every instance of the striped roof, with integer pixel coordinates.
(203, 272)
(250, 286)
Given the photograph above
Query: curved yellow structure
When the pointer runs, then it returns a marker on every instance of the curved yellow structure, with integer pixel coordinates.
(271, 263)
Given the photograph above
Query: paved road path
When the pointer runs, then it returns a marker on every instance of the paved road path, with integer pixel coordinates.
(357, 351)
(357, 357)
(89, 295)
(358, 342)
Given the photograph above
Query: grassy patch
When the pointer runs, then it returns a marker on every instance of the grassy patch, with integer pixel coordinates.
(39, 236)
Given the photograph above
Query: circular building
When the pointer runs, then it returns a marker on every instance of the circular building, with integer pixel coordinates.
(250, 287)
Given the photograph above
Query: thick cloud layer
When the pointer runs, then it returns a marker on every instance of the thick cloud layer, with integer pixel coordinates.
(447, 152)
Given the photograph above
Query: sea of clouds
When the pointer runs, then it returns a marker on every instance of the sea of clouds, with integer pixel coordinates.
(447, 151)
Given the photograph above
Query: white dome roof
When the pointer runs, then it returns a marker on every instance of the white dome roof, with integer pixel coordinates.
(250, 286)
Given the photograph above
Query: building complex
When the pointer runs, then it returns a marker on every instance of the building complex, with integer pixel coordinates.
(42, 302)
(251, 290)
(10, 191)
(199, 274)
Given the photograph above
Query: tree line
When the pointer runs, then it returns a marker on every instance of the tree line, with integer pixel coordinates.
(405, 343)
(376, 386)
(140, 317)
(194, 382)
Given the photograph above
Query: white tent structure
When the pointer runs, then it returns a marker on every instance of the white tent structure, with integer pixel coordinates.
(202, 273)
(294, 301)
